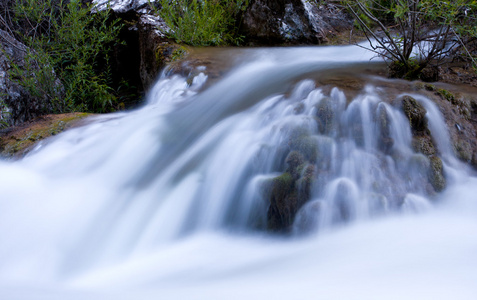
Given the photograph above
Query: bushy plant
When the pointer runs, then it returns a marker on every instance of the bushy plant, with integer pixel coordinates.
(425, 32)
(3, 112)
(68, 38)
(203, 22)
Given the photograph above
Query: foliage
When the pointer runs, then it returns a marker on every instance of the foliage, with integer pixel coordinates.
(426, 31)
(203, 22)
(3, 112)
(66, 37)
(37, 76)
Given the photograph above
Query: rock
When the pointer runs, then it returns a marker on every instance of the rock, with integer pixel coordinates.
(385, 141)
(416, 114)
(122, 6)
(429, 74)
(292, 22)
(325, 116)
(424, 144)
(155, 48)
(436, 174)
(19, 104)
(463, 150)
(283, 203)
(147, 49)
(305, 182)
(293, 161)
(16, 142)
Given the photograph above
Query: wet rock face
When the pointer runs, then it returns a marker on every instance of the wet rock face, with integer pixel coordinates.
(122, 6)
(147, 48)
(459, 108)
(291, 190)
(17, 104)
(416, 114)
(422, 141)
(155, 49)
(292, 22)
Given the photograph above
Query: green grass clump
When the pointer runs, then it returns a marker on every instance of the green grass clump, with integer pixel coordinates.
(68, 40)
(203, 22)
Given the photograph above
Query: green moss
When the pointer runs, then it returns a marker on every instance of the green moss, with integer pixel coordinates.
(436, 173)
(398, 69)
(293, 160)
(415, 113)
(386, 142)
(463, 150)
(305, 182)
(423, 144)
(325, 116)
(19, 145)
(446, 95)
(283, 184)
(429, 87)
(179, 53)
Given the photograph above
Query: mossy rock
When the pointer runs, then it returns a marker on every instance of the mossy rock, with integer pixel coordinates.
(429, 74)
(397, 69)
(287, 195)
(18, 141)
(463, 150)
(283, 203)
(306, 144)
(446, 95)
(436, 173)
(325, 116)
(415, 113)
(424, 144)
(305, 182)
(385, 141)
(293, 160)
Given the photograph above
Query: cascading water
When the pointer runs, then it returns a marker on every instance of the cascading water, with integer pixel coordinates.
(176, 199)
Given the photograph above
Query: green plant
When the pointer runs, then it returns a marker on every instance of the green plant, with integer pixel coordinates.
(4, 113)
(68, 38)
(203, 22)
(426, 32)
(38, 77)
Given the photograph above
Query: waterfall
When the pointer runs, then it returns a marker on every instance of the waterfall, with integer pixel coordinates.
(185, 197)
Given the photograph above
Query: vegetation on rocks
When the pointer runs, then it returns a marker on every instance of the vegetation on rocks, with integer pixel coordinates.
(416, 34)
(203, 23)
(68, 39)
(18, 141)
(423, 142)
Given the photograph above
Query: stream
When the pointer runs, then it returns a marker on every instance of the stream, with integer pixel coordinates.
(169, 201)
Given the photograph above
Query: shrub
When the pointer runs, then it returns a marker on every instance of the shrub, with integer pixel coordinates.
(425, 32)
(68, 38)
(203, 22)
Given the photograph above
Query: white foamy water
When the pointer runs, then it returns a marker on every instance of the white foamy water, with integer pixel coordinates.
(167, 201)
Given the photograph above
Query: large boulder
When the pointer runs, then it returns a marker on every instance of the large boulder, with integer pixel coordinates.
(155, 48)
(147, 48)
(122, 6)
(18, 103)
(292, 22)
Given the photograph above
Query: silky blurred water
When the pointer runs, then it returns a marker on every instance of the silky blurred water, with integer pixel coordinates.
(167, 201)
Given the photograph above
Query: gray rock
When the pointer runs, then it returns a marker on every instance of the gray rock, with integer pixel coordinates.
(155, 48)
(122, 6)
(292, 22)
(17, 104)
